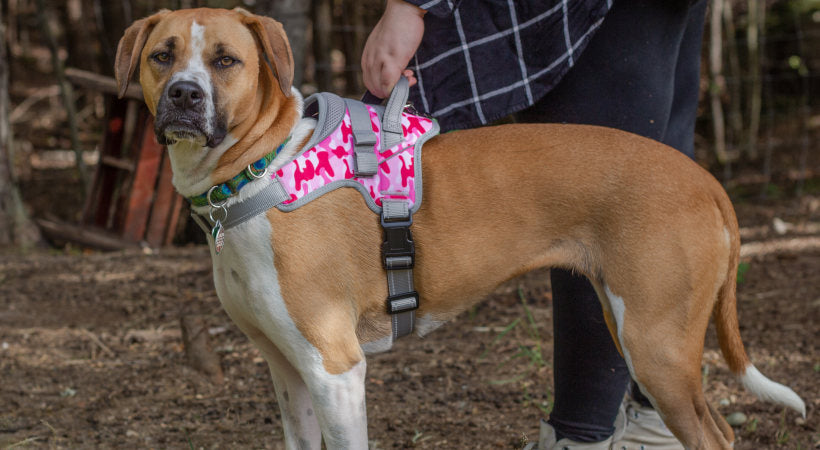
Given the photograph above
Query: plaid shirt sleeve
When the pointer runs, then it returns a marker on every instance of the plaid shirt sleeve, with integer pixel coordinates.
(440, 8)
(484, 59)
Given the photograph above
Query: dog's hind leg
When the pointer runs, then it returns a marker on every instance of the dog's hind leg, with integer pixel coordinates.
(676, 392)
(664, 354)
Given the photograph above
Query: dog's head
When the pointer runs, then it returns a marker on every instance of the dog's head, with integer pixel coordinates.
(201, 69)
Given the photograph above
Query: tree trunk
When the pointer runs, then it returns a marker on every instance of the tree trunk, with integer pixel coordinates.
(15, 226)
(735, 88)
(753, 30)
(805, 111)
(716, 80)
(67, 93)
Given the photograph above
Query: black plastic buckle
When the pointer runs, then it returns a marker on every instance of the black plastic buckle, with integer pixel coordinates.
(398, 249)
(399, 303)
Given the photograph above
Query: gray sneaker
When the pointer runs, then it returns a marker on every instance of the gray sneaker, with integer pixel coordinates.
(644, 430)
(547, 441)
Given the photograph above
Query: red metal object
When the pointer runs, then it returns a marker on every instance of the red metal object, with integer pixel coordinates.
(140, 200)
(132, 195)
(165, 212)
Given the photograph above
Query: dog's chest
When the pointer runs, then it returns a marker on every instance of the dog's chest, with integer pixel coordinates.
(245, 278)
(247, 284)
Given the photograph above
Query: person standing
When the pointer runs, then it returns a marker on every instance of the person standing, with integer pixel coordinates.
(631, 65)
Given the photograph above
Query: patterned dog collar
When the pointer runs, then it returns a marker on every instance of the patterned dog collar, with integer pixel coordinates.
(221, 192)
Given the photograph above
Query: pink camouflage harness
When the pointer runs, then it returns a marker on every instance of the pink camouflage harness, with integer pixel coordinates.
(358, 153)
(374, 149)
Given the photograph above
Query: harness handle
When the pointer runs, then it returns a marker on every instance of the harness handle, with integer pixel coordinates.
(391, 121)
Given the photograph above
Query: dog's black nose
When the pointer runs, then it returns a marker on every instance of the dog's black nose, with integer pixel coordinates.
(185, 94)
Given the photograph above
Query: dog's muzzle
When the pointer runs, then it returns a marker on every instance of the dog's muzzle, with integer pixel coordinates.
(182, 114)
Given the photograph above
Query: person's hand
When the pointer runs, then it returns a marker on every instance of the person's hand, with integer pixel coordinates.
(390, 46)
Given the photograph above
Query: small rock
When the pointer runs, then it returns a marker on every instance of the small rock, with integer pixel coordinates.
(132, 433)
(780, 227)
(68, 392)
(799, 421)
(736, 419)
(724, 402)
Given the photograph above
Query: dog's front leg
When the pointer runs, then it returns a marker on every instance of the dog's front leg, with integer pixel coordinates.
(299, 421)
(339, 401)
(312, 399)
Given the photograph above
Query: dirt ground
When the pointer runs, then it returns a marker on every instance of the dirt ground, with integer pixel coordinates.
(91, 354)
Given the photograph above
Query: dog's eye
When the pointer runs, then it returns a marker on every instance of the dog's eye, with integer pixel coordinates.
(161, 57)
(225, 61)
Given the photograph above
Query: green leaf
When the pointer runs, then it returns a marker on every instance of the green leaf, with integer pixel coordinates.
(742, 268)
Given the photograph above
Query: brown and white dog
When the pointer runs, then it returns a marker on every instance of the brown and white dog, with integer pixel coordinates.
(655, 233)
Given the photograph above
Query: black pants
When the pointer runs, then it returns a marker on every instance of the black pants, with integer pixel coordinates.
(639, 73)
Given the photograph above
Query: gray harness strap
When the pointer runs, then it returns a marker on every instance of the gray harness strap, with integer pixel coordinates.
(267, 198)
(395, 210)
(272, 195)
(364, 140)
(391, 123)
(398, 249)
(398, 258)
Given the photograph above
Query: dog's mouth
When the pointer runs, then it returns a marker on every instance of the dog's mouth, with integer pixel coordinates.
(181, 129)
(171, 128)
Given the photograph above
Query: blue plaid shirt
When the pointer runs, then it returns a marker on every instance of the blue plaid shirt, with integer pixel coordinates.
(480, 60)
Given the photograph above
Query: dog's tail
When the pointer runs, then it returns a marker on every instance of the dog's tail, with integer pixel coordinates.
(728, 330)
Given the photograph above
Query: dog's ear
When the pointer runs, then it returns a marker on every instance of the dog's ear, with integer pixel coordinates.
(130, 48)
(271, 38)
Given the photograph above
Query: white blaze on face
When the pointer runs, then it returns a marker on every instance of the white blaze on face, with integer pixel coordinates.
(197, 72)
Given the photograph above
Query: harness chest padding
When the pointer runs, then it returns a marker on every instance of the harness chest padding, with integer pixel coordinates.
(329, 159)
